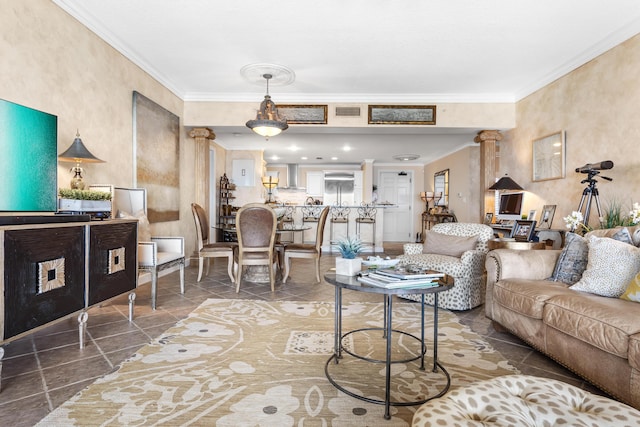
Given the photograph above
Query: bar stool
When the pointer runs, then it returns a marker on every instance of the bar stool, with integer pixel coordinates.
(367, 215)
(310, 214)
(339, 215)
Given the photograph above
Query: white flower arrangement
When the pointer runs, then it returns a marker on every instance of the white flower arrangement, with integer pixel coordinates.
(574, 222)
(634, 215)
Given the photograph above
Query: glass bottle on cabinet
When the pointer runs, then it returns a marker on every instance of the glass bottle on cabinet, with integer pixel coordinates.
(226, 213)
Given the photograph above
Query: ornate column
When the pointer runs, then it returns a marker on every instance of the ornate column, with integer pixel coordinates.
(202, 136)
(487, 140)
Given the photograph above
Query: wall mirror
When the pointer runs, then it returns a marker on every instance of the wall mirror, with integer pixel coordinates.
(441, 185)
(549, 157)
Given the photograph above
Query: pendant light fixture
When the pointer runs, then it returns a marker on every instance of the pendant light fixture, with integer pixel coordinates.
(267, 122)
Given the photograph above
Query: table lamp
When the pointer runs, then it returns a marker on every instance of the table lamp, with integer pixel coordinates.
(78, 153)
(269, 182)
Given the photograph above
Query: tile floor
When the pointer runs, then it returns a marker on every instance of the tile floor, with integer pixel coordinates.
(46, 368)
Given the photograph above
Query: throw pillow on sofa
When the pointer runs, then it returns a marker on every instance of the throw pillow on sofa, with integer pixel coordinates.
(572, 260)
(633, 290)
(446, 244)
(610, 267)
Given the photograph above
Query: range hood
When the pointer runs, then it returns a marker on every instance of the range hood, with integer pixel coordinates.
(292, 177)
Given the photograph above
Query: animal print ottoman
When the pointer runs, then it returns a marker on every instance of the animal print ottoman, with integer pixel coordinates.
(520, 400)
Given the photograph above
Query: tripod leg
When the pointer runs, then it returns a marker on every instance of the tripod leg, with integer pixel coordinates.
(586, 192)
(587, 211)
(596, 195)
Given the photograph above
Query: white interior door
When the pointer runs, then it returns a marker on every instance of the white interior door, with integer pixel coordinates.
(397, 188)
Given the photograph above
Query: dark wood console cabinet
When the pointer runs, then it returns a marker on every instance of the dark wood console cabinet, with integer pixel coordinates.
(50, 271)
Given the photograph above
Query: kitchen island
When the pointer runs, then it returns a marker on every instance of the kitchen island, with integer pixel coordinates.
(340, 229)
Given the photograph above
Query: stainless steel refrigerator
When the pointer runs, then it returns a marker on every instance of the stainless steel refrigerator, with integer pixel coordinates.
(338, 188)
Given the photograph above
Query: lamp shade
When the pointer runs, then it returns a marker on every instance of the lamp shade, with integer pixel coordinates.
(505, 183)
(78, 153)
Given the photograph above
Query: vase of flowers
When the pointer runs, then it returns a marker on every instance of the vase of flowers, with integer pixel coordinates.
(348, 263)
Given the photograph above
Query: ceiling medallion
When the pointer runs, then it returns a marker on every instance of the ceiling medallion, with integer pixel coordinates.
(406, 157)
(280, 75)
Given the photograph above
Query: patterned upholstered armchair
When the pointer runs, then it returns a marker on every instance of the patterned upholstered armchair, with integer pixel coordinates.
(459, 250)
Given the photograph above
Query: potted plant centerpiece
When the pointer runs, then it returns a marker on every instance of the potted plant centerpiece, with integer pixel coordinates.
(348, 263)
(84, 200)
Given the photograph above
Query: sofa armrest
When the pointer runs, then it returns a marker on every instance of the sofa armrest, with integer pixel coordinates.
(169, 244)
(520, 264)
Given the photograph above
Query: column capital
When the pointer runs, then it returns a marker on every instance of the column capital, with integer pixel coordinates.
(488, 135)
(202, 133)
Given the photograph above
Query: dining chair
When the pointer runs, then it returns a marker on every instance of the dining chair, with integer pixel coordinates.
(256, 227)
(206, 249)
(307, 250)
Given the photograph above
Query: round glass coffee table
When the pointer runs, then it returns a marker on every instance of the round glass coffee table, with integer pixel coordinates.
(352, 283)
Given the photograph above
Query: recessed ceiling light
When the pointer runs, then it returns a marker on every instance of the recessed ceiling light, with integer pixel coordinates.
(334, 158)
(406, 157)
(274, 157)
(346, 148)
(294, 148)
(303, 158)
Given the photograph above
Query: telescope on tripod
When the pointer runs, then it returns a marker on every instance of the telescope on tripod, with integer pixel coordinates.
(591, 193)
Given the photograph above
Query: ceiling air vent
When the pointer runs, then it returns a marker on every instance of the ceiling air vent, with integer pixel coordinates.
(347, 111)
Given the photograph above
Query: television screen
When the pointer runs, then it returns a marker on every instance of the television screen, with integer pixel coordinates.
(510, 206)
(29, 147)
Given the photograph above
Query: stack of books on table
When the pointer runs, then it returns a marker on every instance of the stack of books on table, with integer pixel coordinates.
(396, 279)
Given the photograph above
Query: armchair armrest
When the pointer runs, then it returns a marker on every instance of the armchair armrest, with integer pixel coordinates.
(147, 254)
(412, 248)
(169, 244)
(520, 264)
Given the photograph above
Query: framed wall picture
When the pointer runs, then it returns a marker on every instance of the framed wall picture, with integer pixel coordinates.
(156, 142)
(549, 157)
(523, 230)
(402, 114)
(546, 219)
(304, 114)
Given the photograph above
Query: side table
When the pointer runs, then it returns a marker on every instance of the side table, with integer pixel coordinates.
(512, 244)
(346, 282)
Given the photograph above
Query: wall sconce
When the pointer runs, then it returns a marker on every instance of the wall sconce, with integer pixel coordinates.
(269, 182)
(78, 153)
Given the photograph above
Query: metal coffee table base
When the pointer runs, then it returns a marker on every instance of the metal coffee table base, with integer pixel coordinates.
(388, 332)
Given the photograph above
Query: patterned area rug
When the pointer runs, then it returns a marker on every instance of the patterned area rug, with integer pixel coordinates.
(256, 363)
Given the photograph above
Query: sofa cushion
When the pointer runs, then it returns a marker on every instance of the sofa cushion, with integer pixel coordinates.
(610, 267)
(572, 261)
(526, 297)
(446, 244)
(605, 323)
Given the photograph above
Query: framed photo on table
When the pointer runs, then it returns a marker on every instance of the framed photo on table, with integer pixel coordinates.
(523, 230)
(488, 218)
(548, 211)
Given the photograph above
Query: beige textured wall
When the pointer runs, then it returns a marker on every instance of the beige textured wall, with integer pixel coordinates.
(464, 181)
(52, 63)
(597, 106)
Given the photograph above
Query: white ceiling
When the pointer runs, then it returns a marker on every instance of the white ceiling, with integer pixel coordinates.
(360, 51)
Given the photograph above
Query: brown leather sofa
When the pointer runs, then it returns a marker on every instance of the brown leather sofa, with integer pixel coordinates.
(596, 337)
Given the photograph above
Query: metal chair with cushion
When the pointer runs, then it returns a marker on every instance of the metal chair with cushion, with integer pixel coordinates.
(256, 227)
(307, 250)
(154, 253)
(206, 249)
